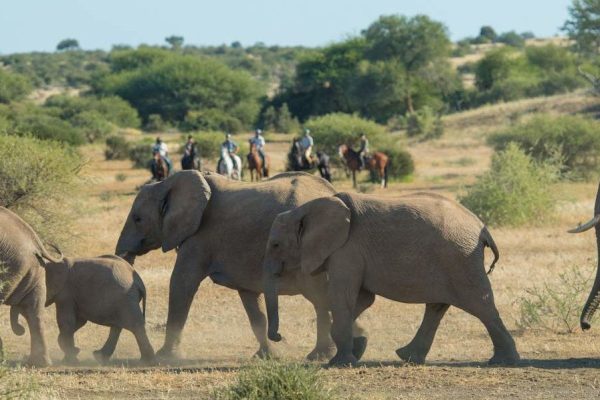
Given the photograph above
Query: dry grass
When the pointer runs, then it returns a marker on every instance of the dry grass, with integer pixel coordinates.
(218, 339)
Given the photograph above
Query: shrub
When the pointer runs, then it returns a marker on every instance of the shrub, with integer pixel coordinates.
(572, 140)
(117, 148)
(212, 119)
(36, 178)
(209, 144)
(270, 380)
(13, 86)
(401, 163)
(555, 307)
(155, 123)
(140, 154)
(280, 120)
(48, 127)
(424, 123)
(332, 130)
(92, 124)
(514, 191)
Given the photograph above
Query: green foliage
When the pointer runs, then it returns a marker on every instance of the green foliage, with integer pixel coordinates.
(112, 109)
(93, 124)
(555, 307)
(279, 120)
(583, 26)
(117, 148)
(155, 123)
(212, 119)
(514, 191)
(271, 380)
(37, 178)
(487, 34)
(141, 154)
(175, 41)
(511, 38)
(13, 86)
(44, 125)
(424, 123)
(401, 163)
(209, 144)
(67, 44)
(573, 141)
(332, 130)
(173, 85)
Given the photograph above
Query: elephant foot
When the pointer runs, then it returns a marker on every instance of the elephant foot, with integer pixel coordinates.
(149, 361)
(265, 353)
(359, 345)
(40, 361)
(70, 360)
(343, 360)
(511, 358)
(101, 357)
(321, 353)
(168, 355)
(409, 354)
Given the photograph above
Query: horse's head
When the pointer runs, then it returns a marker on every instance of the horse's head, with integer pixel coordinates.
(343, 150)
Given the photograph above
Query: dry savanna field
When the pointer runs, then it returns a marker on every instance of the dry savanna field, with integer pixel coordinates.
(218, 341)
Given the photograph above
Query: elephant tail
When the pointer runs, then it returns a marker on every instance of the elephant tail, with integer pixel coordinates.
(488, 241)
(14, 321)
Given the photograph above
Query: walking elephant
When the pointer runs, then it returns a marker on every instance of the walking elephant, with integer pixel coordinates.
(220, 228)
(420, 248)
(22, 256)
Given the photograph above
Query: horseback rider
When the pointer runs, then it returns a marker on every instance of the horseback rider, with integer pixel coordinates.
(306, 144)
(162, 149)
(259, 142)
(191, 156)
(363, 151)
(232, 149)
(323, 165)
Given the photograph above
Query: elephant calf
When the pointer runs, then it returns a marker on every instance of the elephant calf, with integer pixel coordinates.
(105, 290)
(420, 248)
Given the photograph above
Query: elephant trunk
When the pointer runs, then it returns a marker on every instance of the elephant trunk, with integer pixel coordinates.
(272, 300)
(591, 305)
(124, 249)
(14, 322)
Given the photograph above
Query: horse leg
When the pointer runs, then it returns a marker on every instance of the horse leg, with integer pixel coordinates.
(354, 179)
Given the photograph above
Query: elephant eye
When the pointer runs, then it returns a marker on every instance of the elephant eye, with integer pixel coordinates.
(137, 219)
(275, 245)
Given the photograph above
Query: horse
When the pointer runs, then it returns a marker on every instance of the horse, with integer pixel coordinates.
(298, 162)
(191, 161)
(225, 165)
(377, 162)
(159, 168)
(255, 163)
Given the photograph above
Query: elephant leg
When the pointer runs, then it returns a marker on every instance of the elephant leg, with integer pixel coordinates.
(185, 280)
(416, 351)
(146, 350)
(258, 321)
(324, 348)
(67, 325)
(359, 345)
(343, 299)
(104, 354)
(32, 309)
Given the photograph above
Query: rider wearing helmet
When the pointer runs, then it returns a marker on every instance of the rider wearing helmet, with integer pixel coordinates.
(259, 141)
(161, 148)
(307, 143)
(363, 151)
(231, 147)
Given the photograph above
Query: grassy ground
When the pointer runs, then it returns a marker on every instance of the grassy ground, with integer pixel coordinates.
(218, 340)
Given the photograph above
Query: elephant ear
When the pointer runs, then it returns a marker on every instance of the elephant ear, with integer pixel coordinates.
(182, 201)
(57, 274)
(323, 227)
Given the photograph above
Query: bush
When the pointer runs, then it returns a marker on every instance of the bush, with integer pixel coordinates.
(555, 307)
(332, 130)
(92, 124)
(36, 178)
(155, 123)
(424, 123)
(514, 191)
(209, 144)
(117, 148)
(401, 163)
(270, 380)
(48, 127)
(13, 86)
(140, 154)
(572, 140)
(212, 119)
(279, 120)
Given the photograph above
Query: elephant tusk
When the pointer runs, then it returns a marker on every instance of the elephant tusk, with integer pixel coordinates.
(584, 227)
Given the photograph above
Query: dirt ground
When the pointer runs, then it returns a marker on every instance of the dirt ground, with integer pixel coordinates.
(217, 339)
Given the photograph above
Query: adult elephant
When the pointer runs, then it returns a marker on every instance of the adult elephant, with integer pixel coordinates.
(591, 305)
(22, 256)
(220, 228)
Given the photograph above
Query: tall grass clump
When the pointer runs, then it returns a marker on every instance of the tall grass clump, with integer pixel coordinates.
(572, 140)
(514, 191)
(37, 179)
(272, 380)
(17, 386)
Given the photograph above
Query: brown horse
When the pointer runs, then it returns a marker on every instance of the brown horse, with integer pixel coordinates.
(159, 167)
(377, 162)
(255, 164)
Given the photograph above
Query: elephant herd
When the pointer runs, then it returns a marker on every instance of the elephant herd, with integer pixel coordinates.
(291, 234)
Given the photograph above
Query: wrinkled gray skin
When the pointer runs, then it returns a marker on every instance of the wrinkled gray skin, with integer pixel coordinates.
(591, 305)
(220, 228)
(105, 290)
(22, 256)
(421, 248)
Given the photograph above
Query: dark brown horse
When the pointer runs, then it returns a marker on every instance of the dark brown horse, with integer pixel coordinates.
(377, 162)
(255, 163)
(159, 167)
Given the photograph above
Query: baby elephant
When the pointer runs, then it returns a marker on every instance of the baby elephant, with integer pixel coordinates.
(105, 290)
(420, 248)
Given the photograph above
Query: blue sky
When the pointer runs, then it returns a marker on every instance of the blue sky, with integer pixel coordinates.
(27, 25)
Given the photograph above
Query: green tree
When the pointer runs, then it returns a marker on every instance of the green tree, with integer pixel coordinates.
(487, 34)
(175, 41)
(67, 44)
(415, 43)
(13, 86)
(583, 25)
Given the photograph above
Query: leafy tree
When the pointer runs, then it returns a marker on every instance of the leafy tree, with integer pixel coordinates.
(67, 44)
(495, 66)
(583, 25)
(414, 43)
(12, 86)
(487, 34)
(175, 41)
(511, 38)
